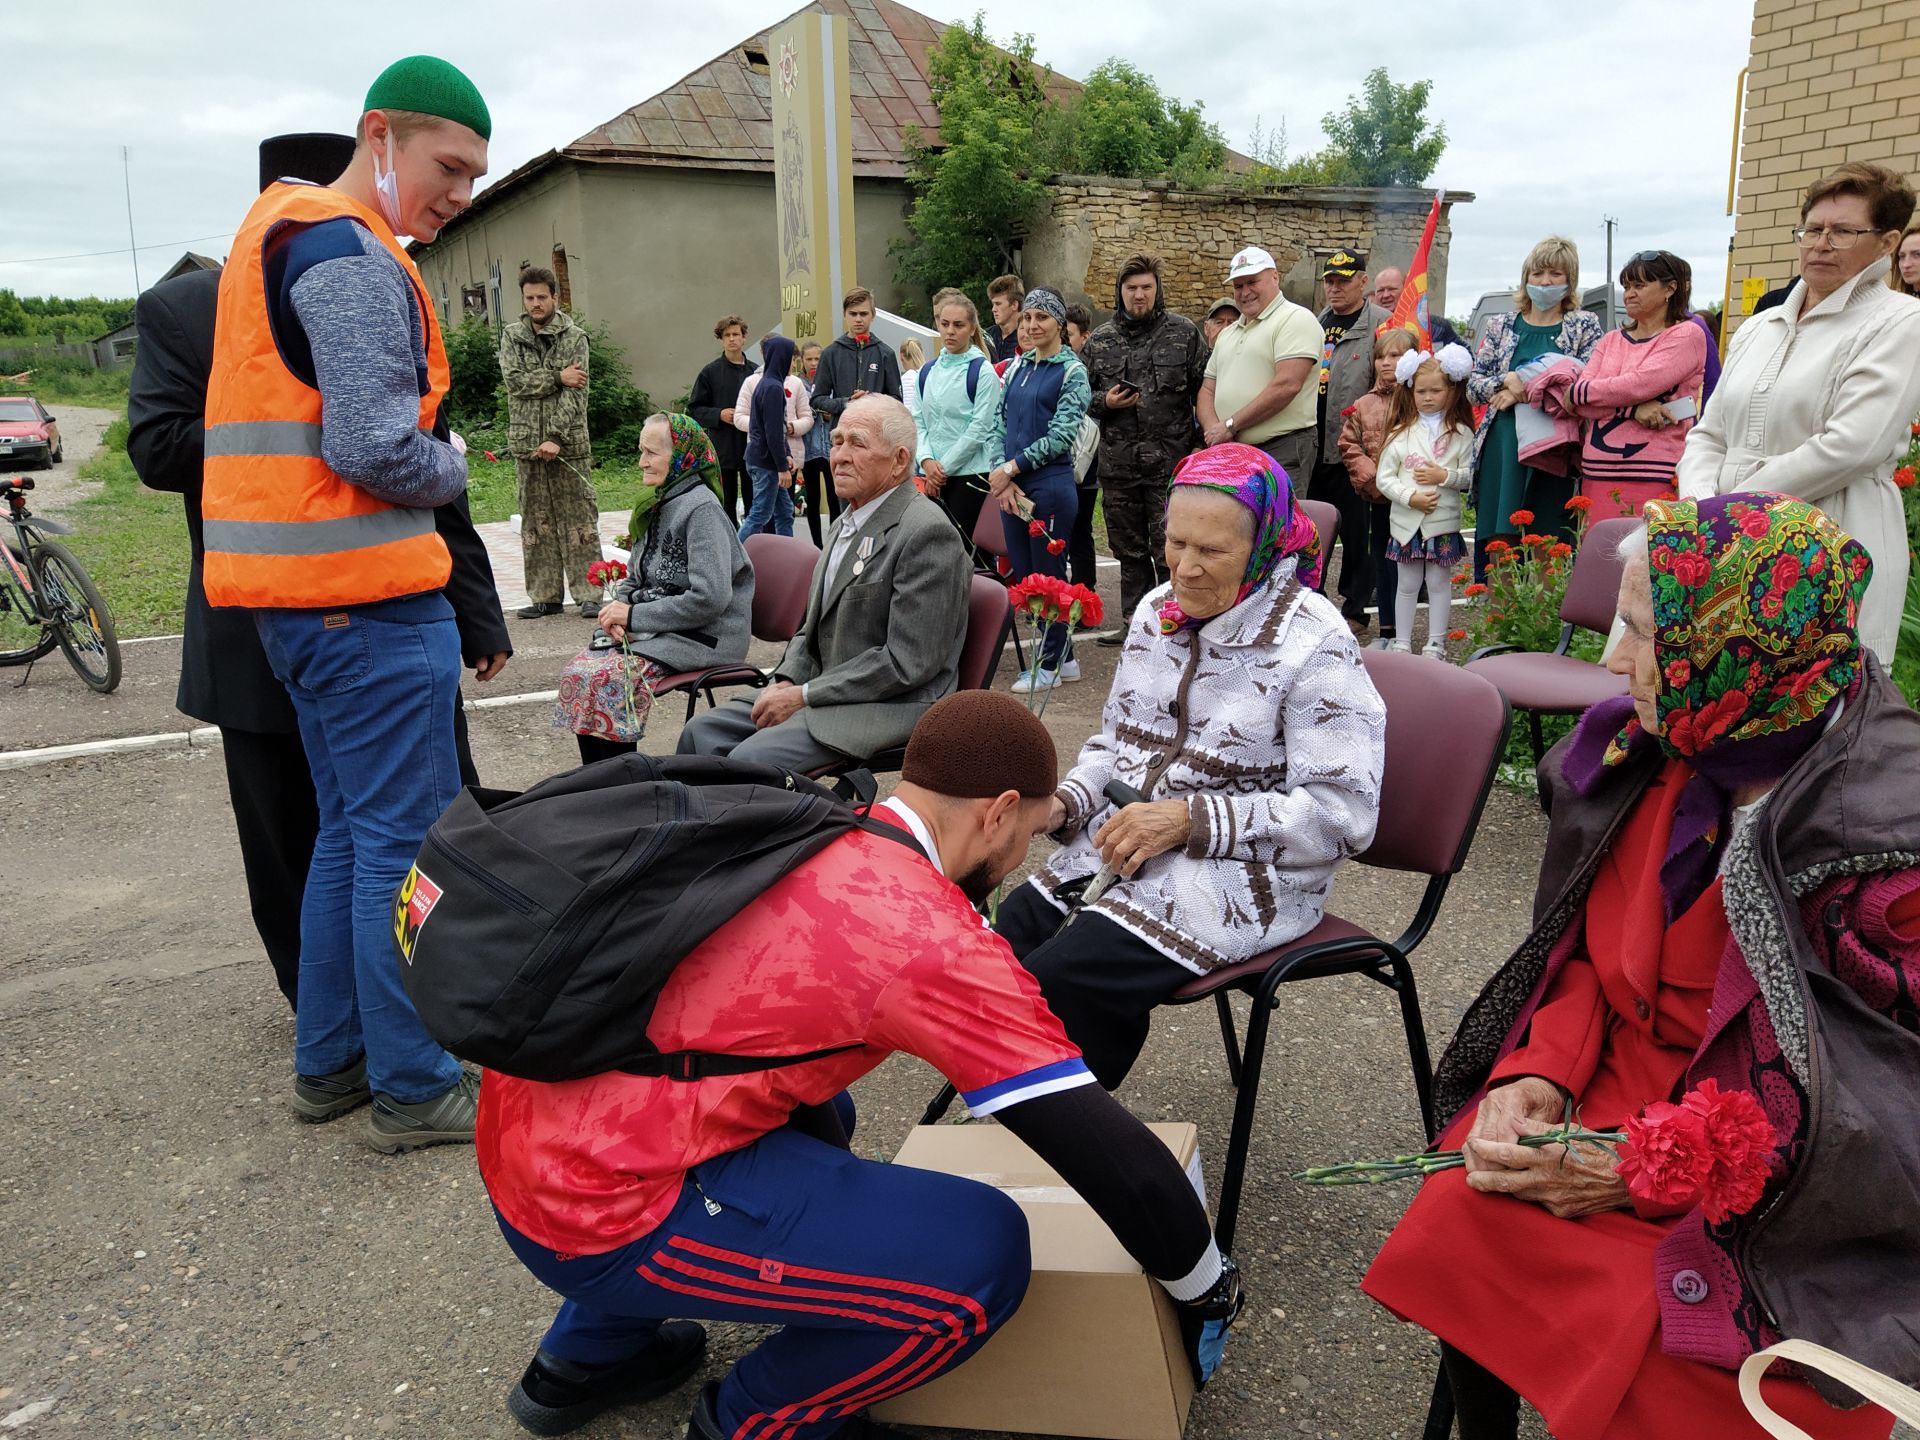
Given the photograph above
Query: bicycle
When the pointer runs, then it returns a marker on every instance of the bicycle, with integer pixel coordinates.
(48, 599)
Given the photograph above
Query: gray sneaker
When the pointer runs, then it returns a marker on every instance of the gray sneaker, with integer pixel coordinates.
(318, 1098)
(447, 1119)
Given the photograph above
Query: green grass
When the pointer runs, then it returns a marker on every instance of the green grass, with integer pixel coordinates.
(133, 541)
(491, 492)
(104, 388)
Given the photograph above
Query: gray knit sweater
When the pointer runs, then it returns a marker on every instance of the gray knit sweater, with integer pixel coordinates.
(698, 585)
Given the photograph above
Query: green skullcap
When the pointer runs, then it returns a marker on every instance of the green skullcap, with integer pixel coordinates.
(430, 86)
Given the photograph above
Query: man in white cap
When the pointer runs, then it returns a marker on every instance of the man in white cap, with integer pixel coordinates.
(1256, 389)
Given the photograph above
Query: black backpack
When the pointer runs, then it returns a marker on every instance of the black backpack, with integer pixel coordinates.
(535, 931)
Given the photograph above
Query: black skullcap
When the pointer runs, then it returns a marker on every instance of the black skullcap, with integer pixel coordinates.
(317, 156)
(975, 744)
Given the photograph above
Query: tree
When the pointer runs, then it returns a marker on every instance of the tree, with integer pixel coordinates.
(974, 193)
(1122, 125)
(1382, 137)
(13, 315)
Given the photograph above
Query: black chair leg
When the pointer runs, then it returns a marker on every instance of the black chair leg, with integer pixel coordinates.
(1533, 732)
(1229, 1037)
(1439, 1409)
(1416, 1032)
(936, 1111)
(1233, 1178)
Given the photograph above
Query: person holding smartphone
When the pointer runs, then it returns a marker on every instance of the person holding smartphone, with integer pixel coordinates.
(1145, 365)
(1640, 392)
(856, 364)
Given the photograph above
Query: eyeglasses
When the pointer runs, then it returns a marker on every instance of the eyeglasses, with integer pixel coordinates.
(1840, 237)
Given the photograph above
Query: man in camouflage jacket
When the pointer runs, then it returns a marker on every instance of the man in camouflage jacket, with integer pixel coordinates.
(1145, 366)
(543, 360)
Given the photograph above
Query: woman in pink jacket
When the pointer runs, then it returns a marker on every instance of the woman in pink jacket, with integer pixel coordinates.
(1640, 391)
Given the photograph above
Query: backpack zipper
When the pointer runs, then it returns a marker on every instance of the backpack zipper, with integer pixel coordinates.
(515, 899)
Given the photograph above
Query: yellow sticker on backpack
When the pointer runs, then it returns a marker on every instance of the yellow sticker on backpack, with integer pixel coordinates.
(415, 902)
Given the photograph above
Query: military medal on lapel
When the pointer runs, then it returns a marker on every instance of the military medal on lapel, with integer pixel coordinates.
(863, 554)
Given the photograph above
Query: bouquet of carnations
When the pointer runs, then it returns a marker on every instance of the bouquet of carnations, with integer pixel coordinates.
(1048, 600)
(606, 574)
(1713, 1150)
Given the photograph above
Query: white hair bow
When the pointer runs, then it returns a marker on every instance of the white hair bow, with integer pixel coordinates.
(1408, 365)
(1456, 361)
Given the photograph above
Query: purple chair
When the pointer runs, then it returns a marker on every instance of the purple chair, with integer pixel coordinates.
(1428, 815)
(782, 580)
(1554, 682)
(1326, 521)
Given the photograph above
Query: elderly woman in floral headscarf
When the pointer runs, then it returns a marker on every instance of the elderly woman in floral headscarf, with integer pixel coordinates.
(686, 602)
(1731, 892)
(1241, 711)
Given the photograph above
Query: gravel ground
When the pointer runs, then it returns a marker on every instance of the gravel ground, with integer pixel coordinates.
(183, 1256)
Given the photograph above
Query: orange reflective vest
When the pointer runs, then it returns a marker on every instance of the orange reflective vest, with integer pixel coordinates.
(283, 530)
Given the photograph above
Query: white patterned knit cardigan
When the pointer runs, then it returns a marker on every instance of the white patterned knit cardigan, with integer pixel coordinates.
(1264, 720)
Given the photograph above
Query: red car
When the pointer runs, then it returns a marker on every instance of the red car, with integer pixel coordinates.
(28, 435)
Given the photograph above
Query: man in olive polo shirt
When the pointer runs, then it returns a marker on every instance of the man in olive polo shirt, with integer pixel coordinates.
(1257, 389)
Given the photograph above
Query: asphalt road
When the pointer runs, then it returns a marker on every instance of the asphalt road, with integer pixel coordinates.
(181, 1255)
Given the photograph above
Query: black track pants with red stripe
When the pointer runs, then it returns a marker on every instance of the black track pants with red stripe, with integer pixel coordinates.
(882, 1276)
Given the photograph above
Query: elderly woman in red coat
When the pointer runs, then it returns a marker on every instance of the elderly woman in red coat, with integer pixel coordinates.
(1731, 891)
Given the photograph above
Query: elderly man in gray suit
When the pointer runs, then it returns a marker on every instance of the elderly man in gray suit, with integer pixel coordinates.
(885, 620)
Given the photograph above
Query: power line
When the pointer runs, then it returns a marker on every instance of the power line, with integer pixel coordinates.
(117, 250)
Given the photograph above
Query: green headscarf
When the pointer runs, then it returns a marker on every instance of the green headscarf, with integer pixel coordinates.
(693, 463)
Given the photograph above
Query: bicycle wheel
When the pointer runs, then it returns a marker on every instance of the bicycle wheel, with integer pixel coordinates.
(80, 620)
(23, 639)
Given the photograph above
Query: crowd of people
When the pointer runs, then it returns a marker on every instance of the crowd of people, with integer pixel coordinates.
(1719, 836)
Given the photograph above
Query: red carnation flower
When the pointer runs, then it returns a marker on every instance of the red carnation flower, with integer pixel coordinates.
(1054, 547)
(1903, 477)
(1667, 1156)
(1580, 503)
(1742, 1140)
(1034, 527)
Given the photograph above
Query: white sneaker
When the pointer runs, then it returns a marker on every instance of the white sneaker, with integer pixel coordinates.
(1398, 647)
(1436, 652)
(1030, 681)
(1069, 672)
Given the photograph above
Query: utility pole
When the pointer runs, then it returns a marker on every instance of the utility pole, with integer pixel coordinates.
(126, 180)
(1610, 222)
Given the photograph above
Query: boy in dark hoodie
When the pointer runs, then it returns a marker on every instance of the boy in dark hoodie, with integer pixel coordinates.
(856, 364)
(773, 415)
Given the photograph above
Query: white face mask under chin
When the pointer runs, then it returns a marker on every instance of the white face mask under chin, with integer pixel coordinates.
(386, 189)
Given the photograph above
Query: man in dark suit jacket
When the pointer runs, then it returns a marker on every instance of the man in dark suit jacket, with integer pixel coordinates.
(224, 676)
(886, 617)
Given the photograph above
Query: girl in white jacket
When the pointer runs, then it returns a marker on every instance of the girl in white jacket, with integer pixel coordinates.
(1425, 467)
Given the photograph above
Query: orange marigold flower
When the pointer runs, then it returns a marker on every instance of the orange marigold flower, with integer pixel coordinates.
(1560, 551)
(1495, 547)
(1535, 540)
(1456, 634)
(1580, 502)
(1522, 518)
(1474, 590)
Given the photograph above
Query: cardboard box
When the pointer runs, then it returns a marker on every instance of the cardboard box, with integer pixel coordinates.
(1095, 1347)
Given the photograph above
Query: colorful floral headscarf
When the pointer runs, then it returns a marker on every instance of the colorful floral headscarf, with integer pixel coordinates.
(1280, 526)
(693, 462)
(1755, 601)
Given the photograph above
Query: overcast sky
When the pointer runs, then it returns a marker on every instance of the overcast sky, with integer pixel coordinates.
(1555, 117)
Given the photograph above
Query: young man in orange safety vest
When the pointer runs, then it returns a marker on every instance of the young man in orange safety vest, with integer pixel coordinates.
(322, 474)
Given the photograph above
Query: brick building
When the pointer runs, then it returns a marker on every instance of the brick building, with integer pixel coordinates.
(1828, 81)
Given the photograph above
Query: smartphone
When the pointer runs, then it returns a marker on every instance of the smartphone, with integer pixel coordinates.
(1682, 409)
(1126, 387)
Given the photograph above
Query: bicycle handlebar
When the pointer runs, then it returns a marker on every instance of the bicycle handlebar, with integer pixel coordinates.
(16, 482)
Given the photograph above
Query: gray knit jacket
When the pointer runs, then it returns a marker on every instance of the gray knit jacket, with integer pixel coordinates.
(690, 585)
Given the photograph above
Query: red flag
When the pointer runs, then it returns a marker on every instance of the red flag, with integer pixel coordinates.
(1410, 311)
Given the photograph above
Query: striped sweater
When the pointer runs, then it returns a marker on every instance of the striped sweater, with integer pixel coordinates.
(1622, 373)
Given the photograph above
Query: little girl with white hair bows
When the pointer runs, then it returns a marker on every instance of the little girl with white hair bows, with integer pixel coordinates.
(1425, 468)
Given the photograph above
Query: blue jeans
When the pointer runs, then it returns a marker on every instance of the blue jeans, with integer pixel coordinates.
(1056, 503)
(882, 1276)
(772, 509)
(374, 689)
